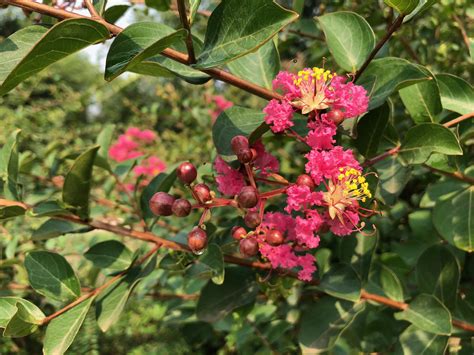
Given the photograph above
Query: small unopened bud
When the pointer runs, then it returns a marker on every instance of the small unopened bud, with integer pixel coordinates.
(239, 143)
(181, 207)
(245, 156)
(238, 232)
(248, 247)
(337, 116)
(197, 239)
(161, 204)
(202, 192)
(274, 237)
(186, 172)
(247, 197)
(252, 219)
(305, 180)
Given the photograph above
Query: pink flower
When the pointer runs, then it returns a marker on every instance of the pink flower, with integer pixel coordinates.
(350, 98)
(147, 136)
(229, 181)
(349, 222)
(306, 227)
(280, 221)
(321, 134)
(150, 167)
(124, 149)
(326, 163)
(133, 132)
(308, 267)
(222, 105)
(265, 161)
(278, 115)
(285, 82)
(301, 197)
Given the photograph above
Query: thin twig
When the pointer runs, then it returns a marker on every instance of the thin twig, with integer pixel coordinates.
(465, 37)
(459, 119)
(92, 9)
(189, 38)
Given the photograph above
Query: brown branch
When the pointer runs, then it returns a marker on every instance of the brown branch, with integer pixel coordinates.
(92, 10)
(395, 26)
(180, 57)
(456, 175)
(189, 39)
(459, 119)
(388, 153)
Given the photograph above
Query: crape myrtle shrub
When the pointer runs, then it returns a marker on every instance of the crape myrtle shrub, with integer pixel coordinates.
(297, 180)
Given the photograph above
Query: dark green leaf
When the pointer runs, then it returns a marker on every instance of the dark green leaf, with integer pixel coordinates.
(9, 165)
(422, 101)
(11, 212)
(160, 5)
(456, 94)
(259, 67)
(214, 260)
(33, 48)
(391, 284)
(349, 37)
(136, 43)
(358, 250)
(62, 330)
(113, 13)
(216, 301)
(53, 228)
(341, 281)
(236, 27)
(110, 254)
(370, 130)
(426, 138)
(427, 313)
(77, 184)
(48, 208)
(416, 341)
(52, 276)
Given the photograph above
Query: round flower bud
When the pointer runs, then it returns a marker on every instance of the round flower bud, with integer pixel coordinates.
(248, 247)
(181, 207)
(238, 232)
(239, 143)
(161, 204)
(247, 197)
(186, 172)
(245, 156)
(274, 237)
(197, 239)
(202, 192)
(305, 180)
(337, 116)
(252, 219)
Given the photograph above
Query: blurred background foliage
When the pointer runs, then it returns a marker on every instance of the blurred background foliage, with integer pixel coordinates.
(62, 110)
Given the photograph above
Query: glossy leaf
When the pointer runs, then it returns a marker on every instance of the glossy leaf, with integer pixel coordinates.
(427, 313)
(52, 276)
(259, 67)
(385, 76)
(422, 101)
(391, 283)
(110, 254)
(403, 6)
(19, 321)
(414, 341)
(237, 27)
(333, 317)
(33, 48)
(136, 43)
(53, 228)
(341, 281)
(456, 94)
(349, 37)
(453, 219)
(114, 13)
(62, 330)
(426, 138)
(77, 183)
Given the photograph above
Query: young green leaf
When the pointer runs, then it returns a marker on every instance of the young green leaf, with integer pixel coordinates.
(111, 255)
(456, 94)
(237, 27)
(404, 7)
(349, 37)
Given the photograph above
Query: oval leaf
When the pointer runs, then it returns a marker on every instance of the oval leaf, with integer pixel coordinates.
(422, 101)
(341, 281)
(110, 254)
(456, 94)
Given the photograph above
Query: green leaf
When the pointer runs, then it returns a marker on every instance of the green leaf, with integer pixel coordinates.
(216, 301)
(391, 284)
(414, 341)
(423, 5)
(110, 254)
(341, 281)
(426, 138)
(456, 94)
(393, 177)
(237, 27)
(136, 43)
(48, 208)
(259, 67)
(214, 260)
(160, 183)
(385, 76)
(358, 250)
(193, 8)
(53, 228)
(100, 5)
(33, 48)
(11, 212)
(111, 302)
(77, 184)
(62, 330)
(160, 5)
(370, 130)
(349, 37)
(324, 321)
(104, 140)
(52, 276)
(422, 101)
(114, 13)
(403, 7)
(427, 313)
(233, 122)
(438, 273)
(452, 218)
(25, 321)
(9, 165)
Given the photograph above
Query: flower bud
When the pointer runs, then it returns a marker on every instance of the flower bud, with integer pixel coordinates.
(181, 207)
(202, 192)
(161, 204)
(186, 172)
(239, 143)
(252, 219)
(305, 180)
(337, 116)
(197, 239)
(238, 232)
(248, 247)
(274, 237)
(247, 197)
(245, 156)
